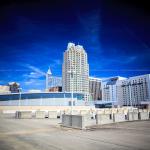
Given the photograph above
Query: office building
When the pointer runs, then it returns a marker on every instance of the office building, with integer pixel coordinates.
(95, 88)
(75, 70)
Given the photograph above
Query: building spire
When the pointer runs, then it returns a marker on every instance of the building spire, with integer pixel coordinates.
(49, 71)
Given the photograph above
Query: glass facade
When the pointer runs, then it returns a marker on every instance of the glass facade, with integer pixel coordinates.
(24, 96)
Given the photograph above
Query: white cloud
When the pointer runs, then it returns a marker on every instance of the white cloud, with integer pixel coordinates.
(35, 82)
(35, 69)
(35, 72)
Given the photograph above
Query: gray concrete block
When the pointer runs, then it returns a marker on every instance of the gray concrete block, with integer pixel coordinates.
(104, 119)
(23, 114)
(119, 117)
(52, 114)
(88, 120)
(143, 115)
(78, 121)
(40, 114)
(84, 112)
(132, 116)
(135, 116)
(75, 112)
(66, 120)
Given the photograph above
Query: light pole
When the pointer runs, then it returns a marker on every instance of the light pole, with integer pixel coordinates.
(19, 96)
(71, 72)
(130, 95)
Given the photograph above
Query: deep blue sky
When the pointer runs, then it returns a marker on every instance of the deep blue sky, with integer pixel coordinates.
(34, 35)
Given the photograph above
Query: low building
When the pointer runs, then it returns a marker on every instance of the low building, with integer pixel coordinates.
(43, 99)
(4, 89)
(14, 87)
(55, 89)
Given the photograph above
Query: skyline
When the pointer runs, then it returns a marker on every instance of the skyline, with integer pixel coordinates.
(35, 34)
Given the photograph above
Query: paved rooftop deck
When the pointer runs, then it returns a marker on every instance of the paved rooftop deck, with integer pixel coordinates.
(46, 134)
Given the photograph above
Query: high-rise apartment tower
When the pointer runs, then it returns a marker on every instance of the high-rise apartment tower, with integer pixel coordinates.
(75, 70)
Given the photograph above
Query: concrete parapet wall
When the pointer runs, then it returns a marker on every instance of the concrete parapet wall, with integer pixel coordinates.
(143, 115)
(40, 114)
(104, 119)
(52, 114)
(23, 114)
(119, 117)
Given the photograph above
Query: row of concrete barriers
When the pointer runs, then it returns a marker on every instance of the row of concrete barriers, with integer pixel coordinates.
(37, 115)
(84, 121)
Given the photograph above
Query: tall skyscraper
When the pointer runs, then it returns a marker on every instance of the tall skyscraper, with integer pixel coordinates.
(75, 70)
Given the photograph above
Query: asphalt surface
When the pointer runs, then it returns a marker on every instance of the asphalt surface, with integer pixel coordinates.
(47, 134)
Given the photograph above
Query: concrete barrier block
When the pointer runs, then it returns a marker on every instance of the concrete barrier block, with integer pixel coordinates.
(88, 121)
(114, 110)
(120, 111)
(40, 114)
(75, 112)
(125, 112)
(119, 117)
(100, 112)
(145, 110)
(23, 114)
(78, 121)
(84, 112)
(143, 115)
(52, 114)
(140, 110)
(61, 113)
(104, 119)
(67, 112)
(66, 120)
(135, 116)
(108, 112)
(132, 116)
